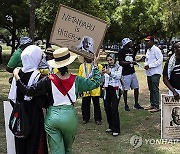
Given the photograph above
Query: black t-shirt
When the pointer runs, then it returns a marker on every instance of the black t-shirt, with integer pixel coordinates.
(126, 55)
(175, 74)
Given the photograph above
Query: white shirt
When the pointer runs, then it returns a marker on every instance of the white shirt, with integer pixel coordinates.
(60, 99)
(154, 59)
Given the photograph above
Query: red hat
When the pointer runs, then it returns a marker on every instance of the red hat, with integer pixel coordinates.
(148, 38)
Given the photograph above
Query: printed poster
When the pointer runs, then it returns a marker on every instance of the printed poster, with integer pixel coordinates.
(9, 135)
(170, 118)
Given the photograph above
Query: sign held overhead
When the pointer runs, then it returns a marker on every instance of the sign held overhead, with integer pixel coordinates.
(81, 33)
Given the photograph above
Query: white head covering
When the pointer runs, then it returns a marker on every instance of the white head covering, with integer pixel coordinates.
(31, 57)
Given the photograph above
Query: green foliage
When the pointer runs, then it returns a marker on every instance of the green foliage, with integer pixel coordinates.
(147, 17)
(126, 18)
(170, 19)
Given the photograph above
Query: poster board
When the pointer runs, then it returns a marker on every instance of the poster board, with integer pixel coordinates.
(81, 33)
(170, 113)
(9, 135)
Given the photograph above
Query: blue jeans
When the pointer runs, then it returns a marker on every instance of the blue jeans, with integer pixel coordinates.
(153, 84)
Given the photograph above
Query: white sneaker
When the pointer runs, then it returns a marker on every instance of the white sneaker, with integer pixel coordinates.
(115, 134)
(108, 130)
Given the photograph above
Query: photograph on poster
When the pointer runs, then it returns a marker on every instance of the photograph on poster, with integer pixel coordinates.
(170, 117)
(175, 117)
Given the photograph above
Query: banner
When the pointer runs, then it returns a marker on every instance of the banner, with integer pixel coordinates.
(81, 33)
(170, 118)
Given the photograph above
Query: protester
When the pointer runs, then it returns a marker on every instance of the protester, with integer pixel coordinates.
(44, 68)
(15, 60)
(127, 60)
(87, 44)
(171, 72)
(62, 88)
(29, 74)
(153, 67)
(112, 75)
(86, 71)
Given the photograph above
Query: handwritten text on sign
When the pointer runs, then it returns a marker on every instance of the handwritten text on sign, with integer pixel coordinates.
(73, 29)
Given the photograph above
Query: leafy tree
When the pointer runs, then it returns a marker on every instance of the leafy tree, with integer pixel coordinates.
(126, 18)
(13, 18)
(138, 19)
(170, 20)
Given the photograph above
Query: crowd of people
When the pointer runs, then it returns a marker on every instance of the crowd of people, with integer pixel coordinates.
(46, 83)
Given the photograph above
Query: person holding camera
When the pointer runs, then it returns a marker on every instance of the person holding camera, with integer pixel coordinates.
(111, 83)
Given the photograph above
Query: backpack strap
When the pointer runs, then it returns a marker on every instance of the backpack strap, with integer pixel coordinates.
(58, 83)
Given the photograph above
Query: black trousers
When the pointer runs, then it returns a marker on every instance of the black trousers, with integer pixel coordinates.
(111, 104)
(86, 105)
(36, 140)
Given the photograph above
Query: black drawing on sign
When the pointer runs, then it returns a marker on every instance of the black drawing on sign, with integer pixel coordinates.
(87, 44)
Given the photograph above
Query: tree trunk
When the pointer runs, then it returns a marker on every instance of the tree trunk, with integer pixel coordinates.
(13, 33)
(32, 19)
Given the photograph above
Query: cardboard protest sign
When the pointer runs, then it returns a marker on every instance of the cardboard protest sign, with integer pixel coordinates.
(170, 118)
(79, 32)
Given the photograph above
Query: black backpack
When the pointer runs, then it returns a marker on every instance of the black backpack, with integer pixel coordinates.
(19, 121)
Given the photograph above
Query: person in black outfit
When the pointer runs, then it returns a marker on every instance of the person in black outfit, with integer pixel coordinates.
(171, 73)
(35, 142)
(127, 61)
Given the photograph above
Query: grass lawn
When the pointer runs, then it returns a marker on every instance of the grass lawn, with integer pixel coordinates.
(92, 138)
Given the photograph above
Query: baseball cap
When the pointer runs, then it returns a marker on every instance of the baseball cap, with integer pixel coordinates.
(125, 41)
(148, 38)
(25, 40)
